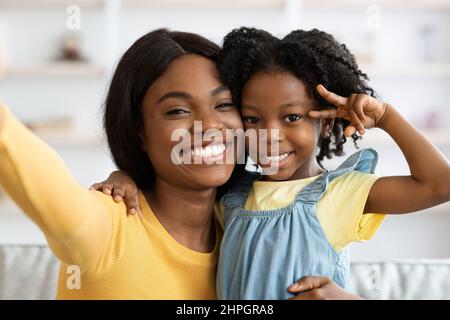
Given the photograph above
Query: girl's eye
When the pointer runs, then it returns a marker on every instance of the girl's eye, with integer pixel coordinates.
(177, 112)
(224, 106)
(251, 120)
(292, 117)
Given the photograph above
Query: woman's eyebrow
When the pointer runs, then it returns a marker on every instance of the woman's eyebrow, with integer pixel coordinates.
(219, 90)
(175, 94)
(187, 96)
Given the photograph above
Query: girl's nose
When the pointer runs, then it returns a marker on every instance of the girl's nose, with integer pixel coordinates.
(273, 133)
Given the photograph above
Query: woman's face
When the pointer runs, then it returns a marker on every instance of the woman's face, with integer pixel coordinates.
(189, 90)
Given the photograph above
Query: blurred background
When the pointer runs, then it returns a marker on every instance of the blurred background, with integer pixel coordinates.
(57, 57)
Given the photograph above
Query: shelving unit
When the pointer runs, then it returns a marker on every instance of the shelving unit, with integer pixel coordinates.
(74, 141)
(46, 4)
(75, 69)
(440, 70)
(390, 4)
(56, 69)
(231, 4)
(378, 138)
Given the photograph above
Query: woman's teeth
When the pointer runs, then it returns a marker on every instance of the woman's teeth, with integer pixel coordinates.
(209, 151)
(279, 157)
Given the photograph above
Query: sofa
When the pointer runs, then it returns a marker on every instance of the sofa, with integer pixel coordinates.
(30, 272)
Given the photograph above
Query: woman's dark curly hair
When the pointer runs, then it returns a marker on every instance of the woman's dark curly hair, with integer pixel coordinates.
(314, 57)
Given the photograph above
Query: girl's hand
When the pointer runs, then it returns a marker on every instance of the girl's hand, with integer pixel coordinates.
(319, 288)
(120, 186)
(362, 110)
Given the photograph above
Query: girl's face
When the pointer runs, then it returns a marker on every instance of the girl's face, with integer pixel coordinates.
(280, 101)
(189, 90)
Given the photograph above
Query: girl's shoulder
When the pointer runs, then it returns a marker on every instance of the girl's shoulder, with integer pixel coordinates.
(364, 160)
(354, 170)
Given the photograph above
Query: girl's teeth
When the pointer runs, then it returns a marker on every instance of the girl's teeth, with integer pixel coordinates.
(279, 157)
(209, 151)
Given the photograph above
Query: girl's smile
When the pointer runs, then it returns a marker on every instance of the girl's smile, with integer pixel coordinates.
(281, 160)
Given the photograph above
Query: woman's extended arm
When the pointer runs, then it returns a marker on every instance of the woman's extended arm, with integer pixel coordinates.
(76, 222)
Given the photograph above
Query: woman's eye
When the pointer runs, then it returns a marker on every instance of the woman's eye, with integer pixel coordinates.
(251, 120)
(224, 106)
(292, 117)
(177, 112)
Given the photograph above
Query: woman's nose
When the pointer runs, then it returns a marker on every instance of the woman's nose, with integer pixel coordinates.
(210, 121)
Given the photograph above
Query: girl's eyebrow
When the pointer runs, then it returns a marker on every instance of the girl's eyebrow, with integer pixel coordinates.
(292, 104)
(249, 106)
(283, 105)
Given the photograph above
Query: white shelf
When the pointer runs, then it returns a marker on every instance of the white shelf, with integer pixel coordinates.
(378, 138)
(56, 69)
(260, 4)
(307, 4)
(441, 70)
(45, 4)
(62, 69)
(73, 141)
(384, 4)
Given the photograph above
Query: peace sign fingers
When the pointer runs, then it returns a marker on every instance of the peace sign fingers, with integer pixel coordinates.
(331, 97)
(350, 108)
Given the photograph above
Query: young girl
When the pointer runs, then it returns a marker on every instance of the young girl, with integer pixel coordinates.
(299, 221)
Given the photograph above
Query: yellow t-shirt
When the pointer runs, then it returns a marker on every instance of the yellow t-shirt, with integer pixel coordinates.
(104, 253)
(339, 211)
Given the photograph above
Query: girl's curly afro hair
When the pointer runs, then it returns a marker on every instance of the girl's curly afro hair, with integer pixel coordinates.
(314, 57)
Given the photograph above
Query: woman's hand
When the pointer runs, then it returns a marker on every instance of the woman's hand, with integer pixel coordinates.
(362, 110)
(121, 187)
(319, 288)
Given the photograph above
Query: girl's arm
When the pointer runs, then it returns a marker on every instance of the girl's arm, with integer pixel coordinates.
(121, 187)
(76, 222)
(429, 182)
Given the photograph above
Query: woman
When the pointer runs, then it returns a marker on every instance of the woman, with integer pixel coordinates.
(165, 81)
(118, 256)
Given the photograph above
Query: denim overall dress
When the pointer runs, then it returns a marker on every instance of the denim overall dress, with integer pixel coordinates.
(263, 252)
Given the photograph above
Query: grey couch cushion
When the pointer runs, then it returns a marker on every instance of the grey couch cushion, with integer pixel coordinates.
(402, 279)
(30, 272)
(27, 272)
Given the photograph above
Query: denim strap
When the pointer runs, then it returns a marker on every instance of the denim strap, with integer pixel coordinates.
(365, 160)
(237, 196)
